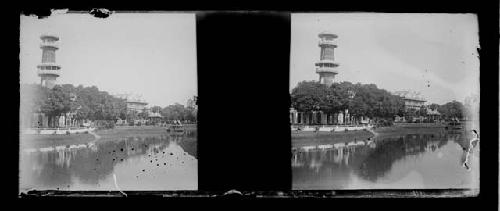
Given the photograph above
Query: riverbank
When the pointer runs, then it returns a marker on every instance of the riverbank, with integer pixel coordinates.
(39, 141)
(321, 138)
(131, 131)
(300, 139)
(117, 133)
(397, 131)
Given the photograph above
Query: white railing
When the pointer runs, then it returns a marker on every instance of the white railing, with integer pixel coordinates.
(54, 72)
(327, 42)
(326, 69)
(49, 44)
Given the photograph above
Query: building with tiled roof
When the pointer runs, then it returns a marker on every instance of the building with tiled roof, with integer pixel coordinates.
(412, 99)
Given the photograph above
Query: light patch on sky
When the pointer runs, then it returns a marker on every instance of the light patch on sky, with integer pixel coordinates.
(147, 54)
(434, 54)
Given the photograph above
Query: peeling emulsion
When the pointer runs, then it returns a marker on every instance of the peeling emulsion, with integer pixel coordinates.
(472, 143)
(44, 13)
(100, 13)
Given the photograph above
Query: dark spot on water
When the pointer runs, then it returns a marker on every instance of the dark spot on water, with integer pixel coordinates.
(164, 164)
(121, 149)
(132, 148)
(151, 161)
(163, 152)
(143, 170)
(157, 164)
(113, 159)
(121, 159)
(171, 153)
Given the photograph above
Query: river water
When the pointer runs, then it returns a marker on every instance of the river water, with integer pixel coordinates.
(168, 162)
(414, 161)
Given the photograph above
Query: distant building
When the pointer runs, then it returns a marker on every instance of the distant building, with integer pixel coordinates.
(136, 106)
(154, 117)
(134, 102)
(412, 99)
(433, 115)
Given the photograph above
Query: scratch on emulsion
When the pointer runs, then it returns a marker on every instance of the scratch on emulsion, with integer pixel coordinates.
(469, 150)
(117, 187)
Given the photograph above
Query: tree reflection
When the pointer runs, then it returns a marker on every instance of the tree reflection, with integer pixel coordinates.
(379, 161)
(333, 168)
(58, 168)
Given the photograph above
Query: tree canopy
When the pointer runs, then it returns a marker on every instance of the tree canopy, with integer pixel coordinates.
(452, 109)
(360, 99)
(85, 102)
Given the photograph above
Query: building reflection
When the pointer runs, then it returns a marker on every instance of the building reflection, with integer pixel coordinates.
(93, 162)
(369, 161)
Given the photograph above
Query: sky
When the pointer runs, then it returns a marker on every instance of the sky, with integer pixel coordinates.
(147, 54)
(434, 54)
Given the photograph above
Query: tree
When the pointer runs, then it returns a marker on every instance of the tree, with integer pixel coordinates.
(57, 102)
(173, 112)
(452, 109)
(32, 98)
(434, 106)
(310, 96)
(85, 102)
(360, 99)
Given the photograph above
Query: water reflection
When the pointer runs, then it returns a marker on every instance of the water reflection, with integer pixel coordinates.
(168, 162)
(411, 161)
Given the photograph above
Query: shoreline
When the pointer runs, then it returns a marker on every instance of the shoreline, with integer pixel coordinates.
(117, 133)
(301, 139)
(321, 138)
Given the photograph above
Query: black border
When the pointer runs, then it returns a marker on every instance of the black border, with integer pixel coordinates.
(488, 30)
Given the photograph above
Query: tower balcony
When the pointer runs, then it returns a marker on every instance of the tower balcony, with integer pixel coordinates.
(49, 72)
(323, 42)
(48, 65)
(326, 70)
(49, 45)
(327, 62)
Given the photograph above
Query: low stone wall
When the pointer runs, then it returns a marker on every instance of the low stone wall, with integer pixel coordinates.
(419, 125)
(331, 128)
(56, 131)
(307, 148)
